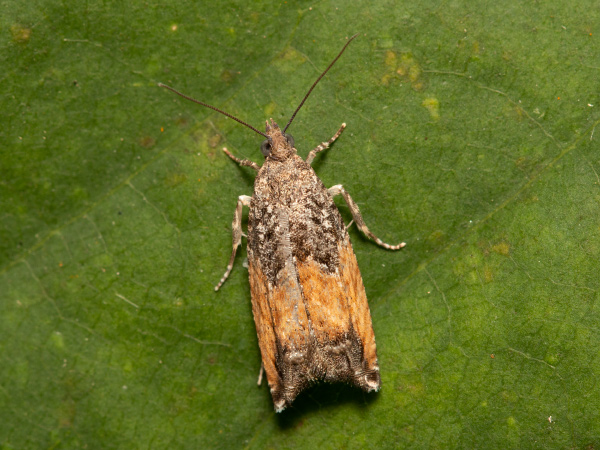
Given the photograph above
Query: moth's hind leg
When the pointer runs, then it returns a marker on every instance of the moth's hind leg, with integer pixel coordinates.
(357, 217)
(324, 145)
(260, 374)
(236, 234)
(242, 162)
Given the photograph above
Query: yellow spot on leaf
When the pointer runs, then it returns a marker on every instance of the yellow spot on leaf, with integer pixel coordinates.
(228, 75)
(487, 274)
(269, 109)
(147, 142)
(502, 248)
(181, 122)
(385, 80)
(410, 69)
(433, 107)
(174, 179)
(128, 366)
(289, 60)
(20, 33)
(57, 339)
(521, 161)
(391, 59)
(405, 66)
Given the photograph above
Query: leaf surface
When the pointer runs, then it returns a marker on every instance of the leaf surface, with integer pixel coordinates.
(471, 136)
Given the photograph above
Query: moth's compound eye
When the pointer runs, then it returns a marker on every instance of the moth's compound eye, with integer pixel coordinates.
(265, 148)
(290, 139)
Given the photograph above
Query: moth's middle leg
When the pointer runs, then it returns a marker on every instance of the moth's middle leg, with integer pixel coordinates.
(358, 219)
(236, 234)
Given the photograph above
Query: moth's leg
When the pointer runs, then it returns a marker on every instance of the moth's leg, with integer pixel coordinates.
(356, 215)
(236, 225)
(242, 162)
(260, 374)
(324, 145)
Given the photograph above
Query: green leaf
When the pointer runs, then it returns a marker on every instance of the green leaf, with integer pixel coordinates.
(471, 136)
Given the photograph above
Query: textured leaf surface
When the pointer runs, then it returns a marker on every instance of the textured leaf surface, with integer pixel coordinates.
(470, 136)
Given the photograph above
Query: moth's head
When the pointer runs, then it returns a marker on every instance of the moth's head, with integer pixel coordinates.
(278, 145)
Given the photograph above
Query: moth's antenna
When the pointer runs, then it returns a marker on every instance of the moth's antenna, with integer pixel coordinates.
(318, 79)
(214, 108)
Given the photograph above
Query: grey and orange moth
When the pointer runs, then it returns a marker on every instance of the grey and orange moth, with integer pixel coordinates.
(308, 299)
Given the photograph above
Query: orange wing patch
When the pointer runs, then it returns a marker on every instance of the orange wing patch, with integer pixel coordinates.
(359, 311)
(314, 325)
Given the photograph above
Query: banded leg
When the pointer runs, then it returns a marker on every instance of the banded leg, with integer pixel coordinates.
(356, 215)
(324, 145)
(242, 162)
(236, 234)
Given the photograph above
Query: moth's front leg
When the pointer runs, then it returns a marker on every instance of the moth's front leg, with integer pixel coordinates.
(242, 162)
(357, 216)
(236, 232)
(324, 145)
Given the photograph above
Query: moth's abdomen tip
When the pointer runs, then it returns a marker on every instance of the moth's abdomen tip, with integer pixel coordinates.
(373, 388)
(279, 406)
(372, 385)
(372, 380)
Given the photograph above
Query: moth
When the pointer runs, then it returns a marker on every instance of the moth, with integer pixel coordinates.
(308, 299)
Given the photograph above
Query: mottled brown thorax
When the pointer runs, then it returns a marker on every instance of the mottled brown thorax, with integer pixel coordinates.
(292, 215)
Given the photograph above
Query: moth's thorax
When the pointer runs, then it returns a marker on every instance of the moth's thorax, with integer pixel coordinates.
(292, 218)
(281, 149)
